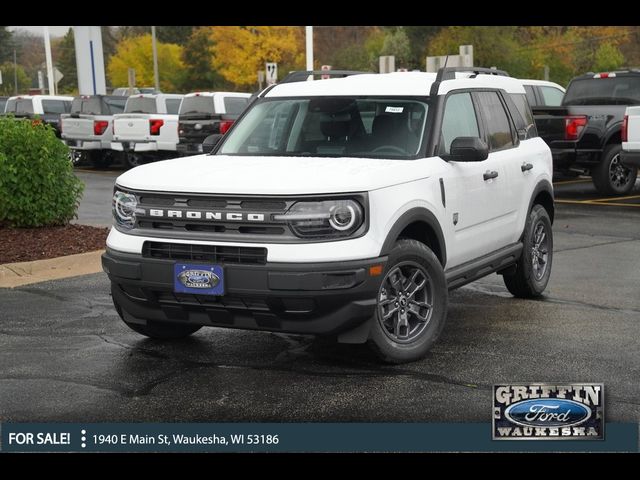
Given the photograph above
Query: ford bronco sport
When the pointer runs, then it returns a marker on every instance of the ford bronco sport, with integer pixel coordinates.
(346, 207)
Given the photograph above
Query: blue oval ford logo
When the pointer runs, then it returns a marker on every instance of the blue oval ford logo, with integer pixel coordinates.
(548, 412)
(198, 279)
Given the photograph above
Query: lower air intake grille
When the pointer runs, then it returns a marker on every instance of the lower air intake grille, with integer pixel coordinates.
(205, 253)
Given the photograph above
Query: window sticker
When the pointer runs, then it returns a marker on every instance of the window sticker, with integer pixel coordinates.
(394, 109)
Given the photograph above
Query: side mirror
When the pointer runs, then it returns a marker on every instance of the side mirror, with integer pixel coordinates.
(468, 149)
(210, 142)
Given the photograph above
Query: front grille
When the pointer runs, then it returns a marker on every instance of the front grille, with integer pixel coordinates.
(205, 253)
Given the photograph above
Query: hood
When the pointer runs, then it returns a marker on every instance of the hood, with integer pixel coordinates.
(271, 175)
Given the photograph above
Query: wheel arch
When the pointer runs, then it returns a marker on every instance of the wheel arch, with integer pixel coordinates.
(418, 224)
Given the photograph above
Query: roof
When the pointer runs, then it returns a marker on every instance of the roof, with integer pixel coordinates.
(211, 94)
(42, 97)
(393, 84)
(543, 83)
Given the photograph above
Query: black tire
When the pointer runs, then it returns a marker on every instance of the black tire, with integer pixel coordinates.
(101, 159)
(529, 280)
(158, 330)
(610, 177)
(406, 337)
(132, 160)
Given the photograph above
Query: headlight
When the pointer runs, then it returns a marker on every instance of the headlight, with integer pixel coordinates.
(124, 209)
(330, 218)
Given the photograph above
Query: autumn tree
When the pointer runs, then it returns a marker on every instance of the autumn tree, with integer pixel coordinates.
(240, 52)
(136, 53)
(164, 33)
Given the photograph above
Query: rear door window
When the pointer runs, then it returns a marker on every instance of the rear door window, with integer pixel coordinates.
(235, 105)
(523, 117)
(496, 121)
(24, 106)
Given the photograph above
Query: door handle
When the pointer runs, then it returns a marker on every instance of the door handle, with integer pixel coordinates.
(489, 174)
(526, 166)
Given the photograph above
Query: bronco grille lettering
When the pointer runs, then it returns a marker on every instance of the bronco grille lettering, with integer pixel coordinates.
(200, 215)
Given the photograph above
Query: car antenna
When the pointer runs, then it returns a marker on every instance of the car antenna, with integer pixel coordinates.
(435, 85)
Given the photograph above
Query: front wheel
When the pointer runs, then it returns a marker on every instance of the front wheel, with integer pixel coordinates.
(412, 304)
(533, 269)
(610, 176)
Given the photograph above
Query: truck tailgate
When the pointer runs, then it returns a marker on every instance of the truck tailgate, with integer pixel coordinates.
(126, 128)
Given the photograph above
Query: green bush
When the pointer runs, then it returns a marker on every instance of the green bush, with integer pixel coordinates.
(37, 183)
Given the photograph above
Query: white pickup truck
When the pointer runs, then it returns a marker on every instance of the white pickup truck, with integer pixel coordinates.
(88, 129)
(630, 155)
(148, 128)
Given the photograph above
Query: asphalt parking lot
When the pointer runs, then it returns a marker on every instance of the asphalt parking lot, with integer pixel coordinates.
(66, 356)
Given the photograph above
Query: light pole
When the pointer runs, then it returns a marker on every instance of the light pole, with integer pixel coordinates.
(309, 42)
(47, 53)
(156, 76)
(15, 73)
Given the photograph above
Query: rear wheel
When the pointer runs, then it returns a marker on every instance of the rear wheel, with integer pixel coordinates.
(101, 158)
(533, 269)
(412, 304)
(611, 177)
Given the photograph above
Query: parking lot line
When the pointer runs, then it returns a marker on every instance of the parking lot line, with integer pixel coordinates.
(592, 202)
(630, 197)
(568, 182)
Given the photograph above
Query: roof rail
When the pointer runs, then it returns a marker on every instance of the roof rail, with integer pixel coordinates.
(302, 75)
(449, 73)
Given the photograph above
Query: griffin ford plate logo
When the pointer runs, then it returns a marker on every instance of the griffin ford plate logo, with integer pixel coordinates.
(198, 279)
(548, 412)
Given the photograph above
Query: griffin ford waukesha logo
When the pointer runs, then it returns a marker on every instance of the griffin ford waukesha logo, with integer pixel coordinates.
(198, 279)
(548, 412)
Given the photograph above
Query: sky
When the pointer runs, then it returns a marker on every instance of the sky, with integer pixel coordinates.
(55, 31)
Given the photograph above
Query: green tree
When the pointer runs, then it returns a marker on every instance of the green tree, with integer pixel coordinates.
(135, 52)
(396, 43)
(6, 45)
(607, 57)
(164, 33)
(419, 37)
(66, 63)
(198, 72)
(7, 87)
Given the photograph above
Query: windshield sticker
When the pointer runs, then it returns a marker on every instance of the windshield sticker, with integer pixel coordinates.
(394, 109)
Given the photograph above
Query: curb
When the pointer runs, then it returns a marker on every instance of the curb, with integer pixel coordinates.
(25, 273)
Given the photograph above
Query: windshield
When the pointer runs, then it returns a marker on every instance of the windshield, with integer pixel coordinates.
(141, 105)
(622, 90)
(199, 104)
(331, 126)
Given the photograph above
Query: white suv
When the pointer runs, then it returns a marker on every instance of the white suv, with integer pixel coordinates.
(346, 207)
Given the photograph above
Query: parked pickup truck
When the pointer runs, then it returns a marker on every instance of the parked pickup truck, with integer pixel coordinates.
(207, 113)
(630, 155)
(47, 108)
(88, 129)
(585, 132)
(148, 128)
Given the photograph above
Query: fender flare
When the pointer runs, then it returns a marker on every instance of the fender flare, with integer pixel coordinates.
(416, 214)
(542, 186)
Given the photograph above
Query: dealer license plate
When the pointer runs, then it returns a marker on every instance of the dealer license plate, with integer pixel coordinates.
(198, 279)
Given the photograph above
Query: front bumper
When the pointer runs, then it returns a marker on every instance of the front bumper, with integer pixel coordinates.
(307, 298)
(630, 159)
